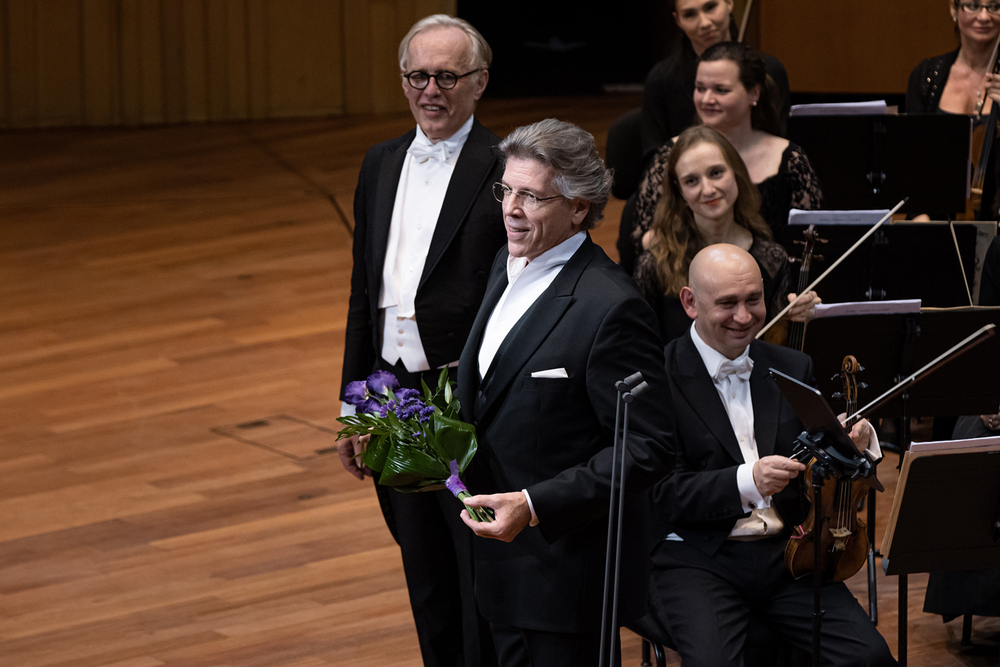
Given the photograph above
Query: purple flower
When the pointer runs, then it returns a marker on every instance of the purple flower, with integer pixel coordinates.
(356, 393)
(406, 393)
(370, 405)
(380, 382)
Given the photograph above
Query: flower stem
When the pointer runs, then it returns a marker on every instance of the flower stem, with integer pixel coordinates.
(480, 514)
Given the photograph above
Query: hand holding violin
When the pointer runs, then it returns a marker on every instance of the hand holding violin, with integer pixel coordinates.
(771, 474)
(805, 309)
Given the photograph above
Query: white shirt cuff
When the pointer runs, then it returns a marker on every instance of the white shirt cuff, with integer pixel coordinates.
(874, 449)
(749, 495)
(534, 517)
(346, 409)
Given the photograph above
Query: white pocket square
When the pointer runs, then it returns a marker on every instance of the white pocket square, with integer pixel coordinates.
(551, 373)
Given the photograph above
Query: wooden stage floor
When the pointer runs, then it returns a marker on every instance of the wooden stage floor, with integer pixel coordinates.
(173, 305)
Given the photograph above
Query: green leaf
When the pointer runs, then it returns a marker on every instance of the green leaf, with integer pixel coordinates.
(406, 464)
(447, 393)
(454, 440)
(427, 390)
(443, 383)
(375, 453)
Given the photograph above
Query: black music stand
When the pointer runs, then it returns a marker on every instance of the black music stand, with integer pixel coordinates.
(954, 496)
(871, 162)
(827, 444)
(908, 260)
(969, 384)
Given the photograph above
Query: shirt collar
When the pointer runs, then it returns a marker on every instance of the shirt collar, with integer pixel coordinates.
(709, 355)
(452, 143)
(549, 260)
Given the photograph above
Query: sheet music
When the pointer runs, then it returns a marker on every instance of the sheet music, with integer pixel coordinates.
(867, 218)
(986, 444)
(872, 108)
(868, 308)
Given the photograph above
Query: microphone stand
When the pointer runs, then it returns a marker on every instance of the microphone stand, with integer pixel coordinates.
(627, 389)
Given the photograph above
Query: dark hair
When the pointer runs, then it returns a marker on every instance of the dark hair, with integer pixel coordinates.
(676, 239)
(753, 74)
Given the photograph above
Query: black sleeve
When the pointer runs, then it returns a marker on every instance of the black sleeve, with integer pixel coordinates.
(359, 350)
(915, 102)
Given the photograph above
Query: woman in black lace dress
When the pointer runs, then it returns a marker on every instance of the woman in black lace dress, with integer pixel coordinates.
(959, 83)
(734, 95)
(708, 198)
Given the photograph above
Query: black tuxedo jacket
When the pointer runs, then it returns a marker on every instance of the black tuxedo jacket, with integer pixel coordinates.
(468, 233)
(700, 500)
(553, 437)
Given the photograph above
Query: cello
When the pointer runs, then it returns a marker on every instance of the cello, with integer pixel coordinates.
(842, 537)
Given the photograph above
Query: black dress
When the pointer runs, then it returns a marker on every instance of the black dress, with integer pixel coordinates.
(923, 95)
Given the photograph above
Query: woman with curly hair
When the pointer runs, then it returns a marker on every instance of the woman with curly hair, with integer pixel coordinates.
(708, 197)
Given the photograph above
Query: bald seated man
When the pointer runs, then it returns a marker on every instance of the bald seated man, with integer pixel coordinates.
(726, 511)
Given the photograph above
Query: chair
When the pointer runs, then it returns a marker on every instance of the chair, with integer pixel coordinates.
(763, 647)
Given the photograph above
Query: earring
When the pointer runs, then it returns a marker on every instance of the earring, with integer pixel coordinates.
(954, 19)
(753, 104)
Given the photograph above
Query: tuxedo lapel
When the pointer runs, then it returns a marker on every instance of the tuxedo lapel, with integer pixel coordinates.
(469, 363)
(474, 166)
(766, 401)
(700, 392)
(385, 201)
(536, 324)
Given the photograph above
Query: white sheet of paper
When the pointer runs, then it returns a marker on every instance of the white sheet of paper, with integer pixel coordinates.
(868, 308)
(862, 218)
(871, 108)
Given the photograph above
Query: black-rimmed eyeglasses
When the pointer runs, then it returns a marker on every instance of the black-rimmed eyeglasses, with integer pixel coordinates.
(528, 201)
(445, 80)
(976, 7)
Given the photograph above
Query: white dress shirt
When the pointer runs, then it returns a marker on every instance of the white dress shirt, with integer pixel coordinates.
(525, 283)
(734, 390)
(423, 183)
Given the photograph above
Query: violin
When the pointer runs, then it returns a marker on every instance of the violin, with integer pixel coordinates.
(842, 537)
(797, 330)
(983, 138)
(785, 332)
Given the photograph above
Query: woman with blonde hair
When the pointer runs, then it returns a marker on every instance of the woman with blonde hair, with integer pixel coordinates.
(708, 197)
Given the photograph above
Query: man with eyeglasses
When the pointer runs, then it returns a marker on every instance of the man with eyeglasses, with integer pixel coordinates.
(560, 324)
(426, 229)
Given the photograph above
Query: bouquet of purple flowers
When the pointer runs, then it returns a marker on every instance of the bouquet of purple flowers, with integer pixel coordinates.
(416, 441)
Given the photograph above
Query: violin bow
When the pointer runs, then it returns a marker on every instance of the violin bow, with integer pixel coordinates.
(746, 20)
(823, 275)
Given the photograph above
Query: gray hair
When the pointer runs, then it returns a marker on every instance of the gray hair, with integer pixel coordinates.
(572, 152)
(480, 53)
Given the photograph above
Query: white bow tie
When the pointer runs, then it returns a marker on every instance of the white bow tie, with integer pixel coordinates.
(425, 152)
(740, 368)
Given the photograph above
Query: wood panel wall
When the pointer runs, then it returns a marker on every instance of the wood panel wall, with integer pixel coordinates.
(139, 62)
(854, 46)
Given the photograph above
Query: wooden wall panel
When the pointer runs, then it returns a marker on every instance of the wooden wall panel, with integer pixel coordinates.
(99, 53)
(195, 62)
(58, 52)
(136, 62)
(854, 46)
(22, 64)
(304, 54)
